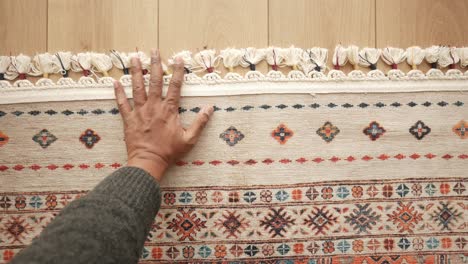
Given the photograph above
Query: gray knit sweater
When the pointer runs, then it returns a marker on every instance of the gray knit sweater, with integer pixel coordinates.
(108, 225)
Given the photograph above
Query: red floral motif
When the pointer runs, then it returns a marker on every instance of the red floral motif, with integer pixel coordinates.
(169, 198)
(157, 253)
(51, 201)
(296, 194)
(201, 197)
(220, 251)
(8, 255)
(282, 134)
(357, 191)
(327, 193)
(358, 245)
(444, 188)
(328, 247)
(298, 248)
(188, 252)
(266, 196)
(389, 244)
(217, 197)
(20, 202)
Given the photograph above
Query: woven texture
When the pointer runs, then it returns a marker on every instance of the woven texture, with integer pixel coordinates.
(343, 178)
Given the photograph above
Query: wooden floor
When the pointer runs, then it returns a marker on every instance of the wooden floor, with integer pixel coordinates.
(31, 26)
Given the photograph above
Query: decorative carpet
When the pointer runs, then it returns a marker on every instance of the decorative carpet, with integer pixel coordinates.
(303, 177)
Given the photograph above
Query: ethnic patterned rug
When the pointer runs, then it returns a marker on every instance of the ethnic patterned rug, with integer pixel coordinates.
(298, 167)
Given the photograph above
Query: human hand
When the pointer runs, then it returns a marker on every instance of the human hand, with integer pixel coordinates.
(154, 135)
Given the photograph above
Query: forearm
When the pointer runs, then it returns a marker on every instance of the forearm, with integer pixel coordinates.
(108, 225)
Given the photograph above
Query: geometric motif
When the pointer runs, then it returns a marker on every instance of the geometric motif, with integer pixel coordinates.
(445, 216)
(328, 131)
(16, 229)
(282, 133)
(277, 221)
(405, 217)
(44, 138)
(89, 138)
(3, 139)
(374, 130)
(419, 130)
(232, 224)
(461, 129)
(363, 218)
(186, 224)
(320, 220)
(231, 136)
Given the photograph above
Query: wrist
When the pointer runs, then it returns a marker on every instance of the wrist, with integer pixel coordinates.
(154, 166)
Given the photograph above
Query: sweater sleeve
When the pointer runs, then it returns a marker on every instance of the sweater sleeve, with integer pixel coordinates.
(108, 225)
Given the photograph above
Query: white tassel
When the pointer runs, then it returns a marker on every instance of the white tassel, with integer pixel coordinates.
(81, 62)
(20, 66)
(414, 56)
(274, 56)
(317, 57)
(165, 68)
(353, 56)
(101, 63)
(463, 54)
(121, 61)
(393, 56)
(448, 57)
(186, 56)
(251, 57)
(432, 55)
(207, 60)
(340, 57)
(5, 62)
(43, 64)
(62, 60)
(368, 57)
(231, 58)
(293, 57)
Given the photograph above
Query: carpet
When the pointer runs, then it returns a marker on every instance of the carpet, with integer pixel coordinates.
(289, 170)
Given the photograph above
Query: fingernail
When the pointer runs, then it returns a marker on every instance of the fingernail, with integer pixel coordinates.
(208, 109)
(155, 53)
(134, 61)
(179, 60)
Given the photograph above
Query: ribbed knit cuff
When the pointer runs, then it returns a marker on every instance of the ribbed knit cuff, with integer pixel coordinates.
(136, 188)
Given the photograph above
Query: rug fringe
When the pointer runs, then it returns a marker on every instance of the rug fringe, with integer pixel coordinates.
(301, 63)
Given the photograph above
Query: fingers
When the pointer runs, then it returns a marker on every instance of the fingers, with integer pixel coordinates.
(173, 93)
(139, 93)
(156, 77)
(195, 130)
(121, 98)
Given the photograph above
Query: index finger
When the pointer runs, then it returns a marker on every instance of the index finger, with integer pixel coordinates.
(173, 92)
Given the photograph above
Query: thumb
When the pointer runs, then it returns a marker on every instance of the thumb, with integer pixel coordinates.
(195, 130)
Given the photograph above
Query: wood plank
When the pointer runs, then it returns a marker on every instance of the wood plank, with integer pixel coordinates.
(199, 24)
(100, 25)
(23, 26)
(403, 23)
(322, 23)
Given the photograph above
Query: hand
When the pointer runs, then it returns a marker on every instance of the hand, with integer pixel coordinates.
(153, 133)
